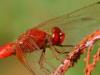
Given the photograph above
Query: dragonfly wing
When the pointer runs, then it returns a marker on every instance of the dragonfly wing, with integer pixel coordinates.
(79, 22)
(89, 12)
(31, 59)
(22, 58)
(75, 25)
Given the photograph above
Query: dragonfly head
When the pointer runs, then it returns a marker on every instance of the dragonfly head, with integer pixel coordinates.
(58, 36)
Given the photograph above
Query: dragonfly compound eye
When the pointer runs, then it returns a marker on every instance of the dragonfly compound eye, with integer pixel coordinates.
(57, 36)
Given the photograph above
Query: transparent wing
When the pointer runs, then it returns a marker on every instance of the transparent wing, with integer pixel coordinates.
(79, 22)
(76, 25)
(31, 59)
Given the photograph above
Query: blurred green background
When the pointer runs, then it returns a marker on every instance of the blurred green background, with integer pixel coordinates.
(16, 16)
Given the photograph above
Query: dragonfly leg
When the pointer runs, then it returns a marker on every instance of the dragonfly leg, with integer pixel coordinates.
(66, 45)
(42, 58)
(64, 52)
(42, 61)
(53, 49)
(61, 52)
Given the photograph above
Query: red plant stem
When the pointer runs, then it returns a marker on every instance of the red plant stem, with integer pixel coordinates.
(90, 66)
(76, 52)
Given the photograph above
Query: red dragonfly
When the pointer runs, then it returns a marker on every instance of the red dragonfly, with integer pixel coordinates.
(33, 40)
(39, 38)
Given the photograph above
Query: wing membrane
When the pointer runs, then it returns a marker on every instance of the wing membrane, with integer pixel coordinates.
(86, 13)
(79, 22)
(75, 25)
